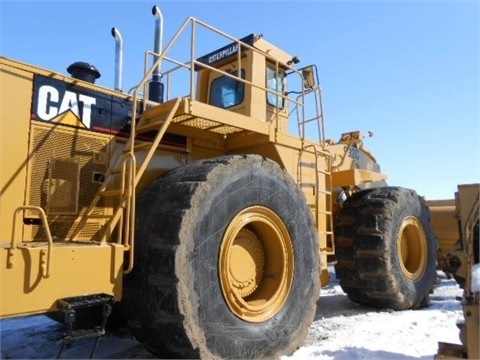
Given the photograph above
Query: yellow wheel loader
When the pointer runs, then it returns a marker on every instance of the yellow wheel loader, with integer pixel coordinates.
(207, 219)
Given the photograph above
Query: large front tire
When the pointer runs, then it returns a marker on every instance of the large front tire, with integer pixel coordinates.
(386, 249)
(226, 262)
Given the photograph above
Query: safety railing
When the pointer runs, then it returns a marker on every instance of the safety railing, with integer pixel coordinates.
(46, 254)
(168, 67)
(165, 67)
(323, 202)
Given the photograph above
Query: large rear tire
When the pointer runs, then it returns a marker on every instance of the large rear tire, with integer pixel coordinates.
(386, 249)
(226, 262)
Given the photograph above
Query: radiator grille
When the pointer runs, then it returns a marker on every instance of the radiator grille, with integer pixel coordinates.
(62, 186)
(64, 164)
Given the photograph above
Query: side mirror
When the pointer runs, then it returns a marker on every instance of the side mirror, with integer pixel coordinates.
(308, 74)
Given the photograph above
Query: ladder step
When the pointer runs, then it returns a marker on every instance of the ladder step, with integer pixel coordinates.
(112, 192)
(309, 120)
(119, 170)
(158, 111)
(324, 192)
(84, 301)
(154, 118)
(143, 128)
(84, 334)
(85, 317)
(326, 212)
(99, 217)
(139, 146)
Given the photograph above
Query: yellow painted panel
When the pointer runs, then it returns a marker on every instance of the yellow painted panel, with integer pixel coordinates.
(444, 222)
(76, 269)
(16, 94)
(226, 117)
(355, 177)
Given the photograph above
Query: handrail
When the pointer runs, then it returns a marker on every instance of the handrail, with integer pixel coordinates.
(328, 193)
(133, 179)
(128, 230)
(317, 180)
(13, 245)
(141, 98)
(124, 213)
(191, 65)
(317, 93)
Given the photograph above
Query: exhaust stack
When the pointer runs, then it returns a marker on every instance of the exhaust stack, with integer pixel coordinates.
(118, 58)
(155, 87)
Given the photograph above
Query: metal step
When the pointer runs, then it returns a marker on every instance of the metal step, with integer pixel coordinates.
(143, 128)
(112, 192)
(85, 317)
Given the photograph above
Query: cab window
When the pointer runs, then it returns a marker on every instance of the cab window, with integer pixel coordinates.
(226, 92)
(275, 82)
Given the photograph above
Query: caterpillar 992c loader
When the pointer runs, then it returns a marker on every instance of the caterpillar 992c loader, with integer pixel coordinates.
(207, 218)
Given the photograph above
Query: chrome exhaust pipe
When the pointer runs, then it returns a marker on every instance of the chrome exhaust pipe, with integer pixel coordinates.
(157, 43)
(118, 58)
(155, 87)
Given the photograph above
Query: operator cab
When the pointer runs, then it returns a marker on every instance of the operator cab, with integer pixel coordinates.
(247, 77)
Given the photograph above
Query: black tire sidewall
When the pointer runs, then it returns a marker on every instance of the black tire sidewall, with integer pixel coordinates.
(413, 292)
(369, 265)
(225, 197)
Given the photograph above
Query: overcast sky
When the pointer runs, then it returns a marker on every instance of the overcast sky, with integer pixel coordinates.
(408, 71)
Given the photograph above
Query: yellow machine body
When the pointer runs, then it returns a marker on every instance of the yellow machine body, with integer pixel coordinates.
(67, 216)
(458, 219)
(239, 195)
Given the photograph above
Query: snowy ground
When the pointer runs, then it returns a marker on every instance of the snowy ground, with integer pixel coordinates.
(346, 330)
(342, 330)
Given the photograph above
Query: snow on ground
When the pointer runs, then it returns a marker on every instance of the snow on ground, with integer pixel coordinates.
(341, 330)
(345, 330)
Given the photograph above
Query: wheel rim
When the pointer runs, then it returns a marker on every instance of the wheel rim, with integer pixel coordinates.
(256, 264)
(412, 248)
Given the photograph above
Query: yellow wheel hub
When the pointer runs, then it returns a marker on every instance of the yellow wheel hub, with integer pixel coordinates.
(246, 263)
(412, 248)
(256, 264)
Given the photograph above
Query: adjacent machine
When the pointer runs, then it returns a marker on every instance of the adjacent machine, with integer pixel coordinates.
(457, 225)
(202, 206)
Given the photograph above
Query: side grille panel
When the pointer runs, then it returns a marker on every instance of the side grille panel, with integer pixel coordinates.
(63, 171)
